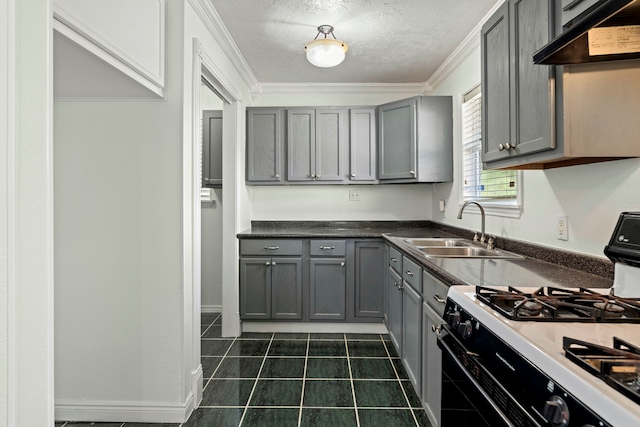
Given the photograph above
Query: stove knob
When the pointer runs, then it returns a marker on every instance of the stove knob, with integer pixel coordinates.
(465, 329)
(556, 412)
(454, 319)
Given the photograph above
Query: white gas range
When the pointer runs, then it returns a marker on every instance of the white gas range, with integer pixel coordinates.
(547, 356)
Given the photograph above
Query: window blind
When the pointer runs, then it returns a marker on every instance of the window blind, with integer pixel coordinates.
(480, 184)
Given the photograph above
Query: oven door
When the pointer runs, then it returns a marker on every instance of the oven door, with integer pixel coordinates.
(471, 396)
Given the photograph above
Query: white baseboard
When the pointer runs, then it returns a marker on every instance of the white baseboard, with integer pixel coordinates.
(210, 309)
(118, 411)
(350, 328)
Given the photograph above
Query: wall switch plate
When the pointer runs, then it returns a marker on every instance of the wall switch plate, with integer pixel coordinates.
(442, 205)
(354, 195)
(563, 227)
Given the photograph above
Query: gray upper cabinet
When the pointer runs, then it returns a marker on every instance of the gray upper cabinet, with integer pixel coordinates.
(315, 144)
(265, 142)
(518, 100)
(362, 145)
(211, 148)
(415, 140)
(369, 279)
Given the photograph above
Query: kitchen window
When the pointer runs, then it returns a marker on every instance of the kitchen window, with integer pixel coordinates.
(497, 190)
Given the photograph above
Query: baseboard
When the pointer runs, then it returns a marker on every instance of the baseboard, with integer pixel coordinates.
(115, 411)
(350, 328)
(210, 309)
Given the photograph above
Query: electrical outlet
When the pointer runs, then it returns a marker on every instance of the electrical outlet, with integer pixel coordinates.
(563, 227)
(354, 195)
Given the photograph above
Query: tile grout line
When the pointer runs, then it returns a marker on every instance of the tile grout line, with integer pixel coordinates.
(255, 384)
(353, 390)
(404, 393)
(304, 379)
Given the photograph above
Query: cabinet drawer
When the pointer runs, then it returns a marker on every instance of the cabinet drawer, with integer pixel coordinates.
(412, 274)
(434, 292)
(270, 247)
(328, 247)
(395, 260)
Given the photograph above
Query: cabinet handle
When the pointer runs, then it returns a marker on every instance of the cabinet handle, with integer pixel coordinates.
(394, 260)
(206, 179)
(437, 298)
(409, 273)
(400, 286)
(313, 176)
(353, 175)
(412, 173)
(272, 248)
(327, 247)
(395, 284)
(273, 263)
(342, 264)
(513, 145)
(267, 263)
(436, 329)
(277, 175)
(317, 176)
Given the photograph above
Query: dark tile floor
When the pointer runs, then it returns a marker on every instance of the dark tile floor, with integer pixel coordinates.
(299, 380)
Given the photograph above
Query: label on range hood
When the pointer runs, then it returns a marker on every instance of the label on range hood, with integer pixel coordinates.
(614, 40)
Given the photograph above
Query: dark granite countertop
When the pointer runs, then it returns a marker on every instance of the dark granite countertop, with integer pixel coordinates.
(525, 272)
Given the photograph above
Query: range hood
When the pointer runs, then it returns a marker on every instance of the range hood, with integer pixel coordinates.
(607, 31)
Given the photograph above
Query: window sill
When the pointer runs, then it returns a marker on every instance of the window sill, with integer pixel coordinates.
(507, 209)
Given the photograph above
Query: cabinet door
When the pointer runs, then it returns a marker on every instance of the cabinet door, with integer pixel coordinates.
(265, 139)
(395, 309)
(531, 92)
(327, 288)
(431, 365)
(412, 334)
(255, 288)
(496, 119)
(211, 148)
(286, 288)
(301, 142)
(362, 144)
(397, 143)
(369, 279)
(330, 137)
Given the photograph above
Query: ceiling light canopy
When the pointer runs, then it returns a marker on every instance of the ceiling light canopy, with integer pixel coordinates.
(326, 52)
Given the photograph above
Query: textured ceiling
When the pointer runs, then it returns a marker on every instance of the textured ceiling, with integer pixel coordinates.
(390, 41)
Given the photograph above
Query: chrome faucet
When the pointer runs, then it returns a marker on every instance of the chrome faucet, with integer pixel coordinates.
(482, 237)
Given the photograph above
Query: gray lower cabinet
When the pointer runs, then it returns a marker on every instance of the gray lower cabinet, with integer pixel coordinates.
(411, 353)
(431, 365)
(415, 140)
(369, 278)
(327, 289)
(271, 288)
(394, 314)
(265, 144)
(211, 148)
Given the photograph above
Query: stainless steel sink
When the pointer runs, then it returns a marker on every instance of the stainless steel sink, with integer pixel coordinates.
(465, 252)
(437, 242)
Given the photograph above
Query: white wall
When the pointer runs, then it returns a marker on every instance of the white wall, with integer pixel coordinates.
(592, 196)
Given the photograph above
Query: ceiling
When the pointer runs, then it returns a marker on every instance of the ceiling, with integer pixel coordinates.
(390, 41)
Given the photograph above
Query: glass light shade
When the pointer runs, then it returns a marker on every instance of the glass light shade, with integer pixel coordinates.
(326, 52)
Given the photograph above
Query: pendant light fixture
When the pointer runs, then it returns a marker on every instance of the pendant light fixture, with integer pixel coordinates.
(326, 52)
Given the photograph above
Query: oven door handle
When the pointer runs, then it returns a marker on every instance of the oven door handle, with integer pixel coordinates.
(443, 345)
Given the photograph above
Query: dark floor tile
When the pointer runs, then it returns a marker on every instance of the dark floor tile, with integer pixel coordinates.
(385, 417)
(325, 336)
(288, 348)
(372, 369)
(151, 425)
(291, 336)
(89, 424)
(227, 392)
(208, 417)
(414, 400)
(218, 320)
(277, 393)
(271, 417)
(207, 319)
(328, 393)
(328, 368)
(386, 337)
(379, 394)
(203, 328)
(256, 335)
(59, 423)
(327, 348)
(210, 347)
(239, 367)
(402, 374)
(366, 349)
(209, 365)
(285, 367)
(421, 416)
(363, 337)
(213, 331)
(391, 349)
(323, 417)
(249, 348)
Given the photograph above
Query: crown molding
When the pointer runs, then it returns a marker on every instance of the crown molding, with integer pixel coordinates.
(221, 35)
(460, 53)
(342, 88)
